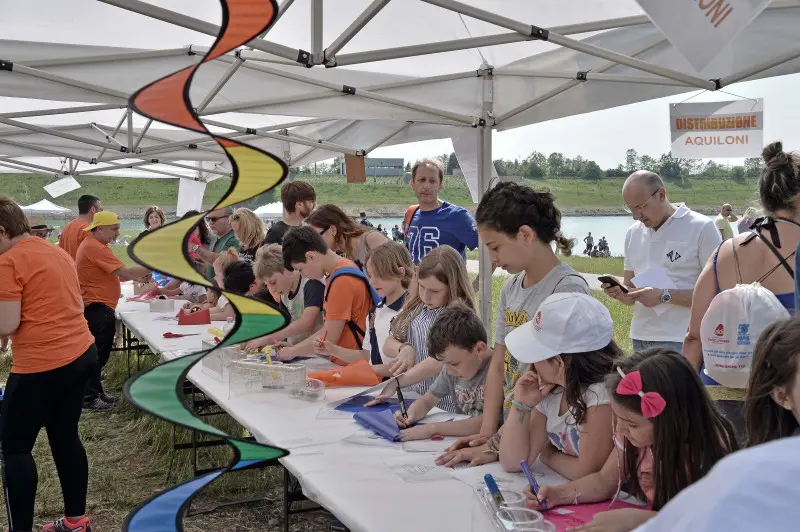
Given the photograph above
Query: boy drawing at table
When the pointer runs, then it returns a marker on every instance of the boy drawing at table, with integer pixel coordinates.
(459, 342)
(347, 300)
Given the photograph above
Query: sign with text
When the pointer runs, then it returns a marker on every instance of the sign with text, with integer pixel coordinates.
(700, 29)
(717, 129)
(62, 186)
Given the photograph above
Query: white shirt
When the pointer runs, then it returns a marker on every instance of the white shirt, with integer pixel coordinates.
(383, 321)
(752, 489)
(682, 246)
(563, 432)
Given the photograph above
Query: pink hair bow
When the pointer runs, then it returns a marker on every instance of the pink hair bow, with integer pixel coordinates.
(631, 384)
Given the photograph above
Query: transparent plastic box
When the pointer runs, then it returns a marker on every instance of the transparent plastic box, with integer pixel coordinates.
(249, 376)
(217, 363)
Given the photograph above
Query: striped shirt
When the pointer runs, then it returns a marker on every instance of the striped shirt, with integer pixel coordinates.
(418, 338)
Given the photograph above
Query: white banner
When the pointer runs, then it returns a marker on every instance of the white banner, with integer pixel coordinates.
(466, 148)
(717, 129)
(700, 29)
(62, 186)
(190, 196)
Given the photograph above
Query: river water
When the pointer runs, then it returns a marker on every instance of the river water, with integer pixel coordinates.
(577, 227)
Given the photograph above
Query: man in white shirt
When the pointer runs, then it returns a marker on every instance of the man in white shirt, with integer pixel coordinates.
(671, 244)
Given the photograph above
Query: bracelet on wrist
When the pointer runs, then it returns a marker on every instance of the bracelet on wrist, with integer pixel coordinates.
(520, 406)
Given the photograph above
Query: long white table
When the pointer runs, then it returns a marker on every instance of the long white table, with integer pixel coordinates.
(353, 482)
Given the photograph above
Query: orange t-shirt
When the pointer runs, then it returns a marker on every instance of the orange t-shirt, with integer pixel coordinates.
(52, 331)
(96, 264)
(72, 236)
(348, 300)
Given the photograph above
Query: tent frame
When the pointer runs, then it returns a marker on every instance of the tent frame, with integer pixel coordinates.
(259, 53)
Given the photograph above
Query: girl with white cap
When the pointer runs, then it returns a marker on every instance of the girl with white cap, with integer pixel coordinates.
(560, 413)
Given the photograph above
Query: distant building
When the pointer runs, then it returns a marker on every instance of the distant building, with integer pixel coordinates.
(380, 167)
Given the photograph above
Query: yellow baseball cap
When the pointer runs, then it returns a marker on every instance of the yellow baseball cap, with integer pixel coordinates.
(103, 218)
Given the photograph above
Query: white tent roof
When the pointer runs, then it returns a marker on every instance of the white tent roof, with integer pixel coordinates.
(270, 210)
(421, 69)
(44, 207)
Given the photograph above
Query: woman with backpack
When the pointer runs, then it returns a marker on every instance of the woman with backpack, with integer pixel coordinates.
(764, 255)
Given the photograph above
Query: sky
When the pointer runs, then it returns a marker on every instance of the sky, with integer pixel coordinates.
(602, 136)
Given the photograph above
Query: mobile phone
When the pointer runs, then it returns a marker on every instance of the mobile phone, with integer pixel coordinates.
(608, 279)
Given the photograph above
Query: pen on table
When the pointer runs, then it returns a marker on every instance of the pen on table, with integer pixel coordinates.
(403, 410)
(532, 481)
(494, 490)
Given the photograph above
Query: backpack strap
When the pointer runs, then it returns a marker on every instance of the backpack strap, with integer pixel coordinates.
(569, 275)
(716, 277)
(410, 212)
(357, 331)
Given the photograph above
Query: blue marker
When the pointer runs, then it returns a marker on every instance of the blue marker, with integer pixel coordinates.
(494, 490)
(532, 481)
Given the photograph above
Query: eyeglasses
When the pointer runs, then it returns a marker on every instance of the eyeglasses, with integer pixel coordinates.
(640, 207)
(213, 219)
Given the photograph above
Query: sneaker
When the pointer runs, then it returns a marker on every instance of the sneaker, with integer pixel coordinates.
(108, 398)
(62, 525)
(97, 405)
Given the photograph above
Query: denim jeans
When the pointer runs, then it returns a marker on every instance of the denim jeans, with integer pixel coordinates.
(641, 345)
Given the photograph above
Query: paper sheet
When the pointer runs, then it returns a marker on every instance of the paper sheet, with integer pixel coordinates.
(428, 446)
(367, 438)
(418, 468)
(655, 277)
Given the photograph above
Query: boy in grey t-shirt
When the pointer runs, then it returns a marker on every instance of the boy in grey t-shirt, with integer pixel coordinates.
(518, 305)
(458, 340)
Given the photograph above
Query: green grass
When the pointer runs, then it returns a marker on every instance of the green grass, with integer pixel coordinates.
(572, 194)
(599, 265)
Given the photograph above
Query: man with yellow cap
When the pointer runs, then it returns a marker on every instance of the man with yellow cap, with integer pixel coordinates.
(99, 273)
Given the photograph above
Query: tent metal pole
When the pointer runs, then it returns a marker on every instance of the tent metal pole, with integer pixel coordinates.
(170, 146)
(286, 136)
(352, 30)
(130, 130)
(332, 93)
(62, 111)
(142, 133)
(479, 42)
(55, 133)
(41, 149)
(572, 83)
(573, 44)
(111, 167)
(116, 130)
(199, 26)
(220, 83)
(17, 132)
(317, 20)
(71, 166)
(35, 73)
(144, 54)
(354, 91)
(590, 76)
(162, 172)
(10, 160)
(186, 166)
(285, 5)
(485, 163)
(329, 139)
(108, 137)
(761, 67)
(391, 135)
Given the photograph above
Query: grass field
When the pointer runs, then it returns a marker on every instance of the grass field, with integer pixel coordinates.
(574, 195)
(599, 266)
(129, 454)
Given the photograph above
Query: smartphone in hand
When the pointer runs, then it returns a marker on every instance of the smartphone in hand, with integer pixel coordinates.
(608, 279)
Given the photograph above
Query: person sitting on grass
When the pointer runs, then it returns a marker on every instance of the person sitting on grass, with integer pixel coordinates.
(347, 301)
(301, 297)
(460, 344)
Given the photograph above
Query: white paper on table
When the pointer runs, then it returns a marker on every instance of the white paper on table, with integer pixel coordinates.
(330, 412)
(418, 468)
(367, 438)
(655, 277)
(166, 318)
(473, 476)
(428, 446)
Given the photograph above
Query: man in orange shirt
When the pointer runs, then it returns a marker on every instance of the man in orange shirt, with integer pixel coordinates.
(347, 301)
(73, 233)
(99, 272)
(54, 355)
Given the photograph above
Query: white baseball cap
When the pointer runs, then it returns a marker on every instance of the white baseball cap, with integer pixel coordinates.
(564, 323)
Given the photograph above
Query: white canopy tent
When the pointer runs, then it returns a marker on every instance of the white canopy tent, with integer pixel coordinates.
(270, 211)
(44, 207)
(345, 76)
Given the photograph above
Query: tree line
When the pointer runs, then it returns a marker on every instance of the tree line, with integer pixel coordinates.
(539, 166)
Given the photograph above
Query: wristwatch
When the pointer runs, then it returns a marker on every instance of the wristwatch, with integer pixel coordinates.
(665, 296)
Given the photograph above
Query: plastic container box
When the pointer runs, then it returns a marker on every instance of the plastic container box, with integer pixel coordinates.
(162, 305)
